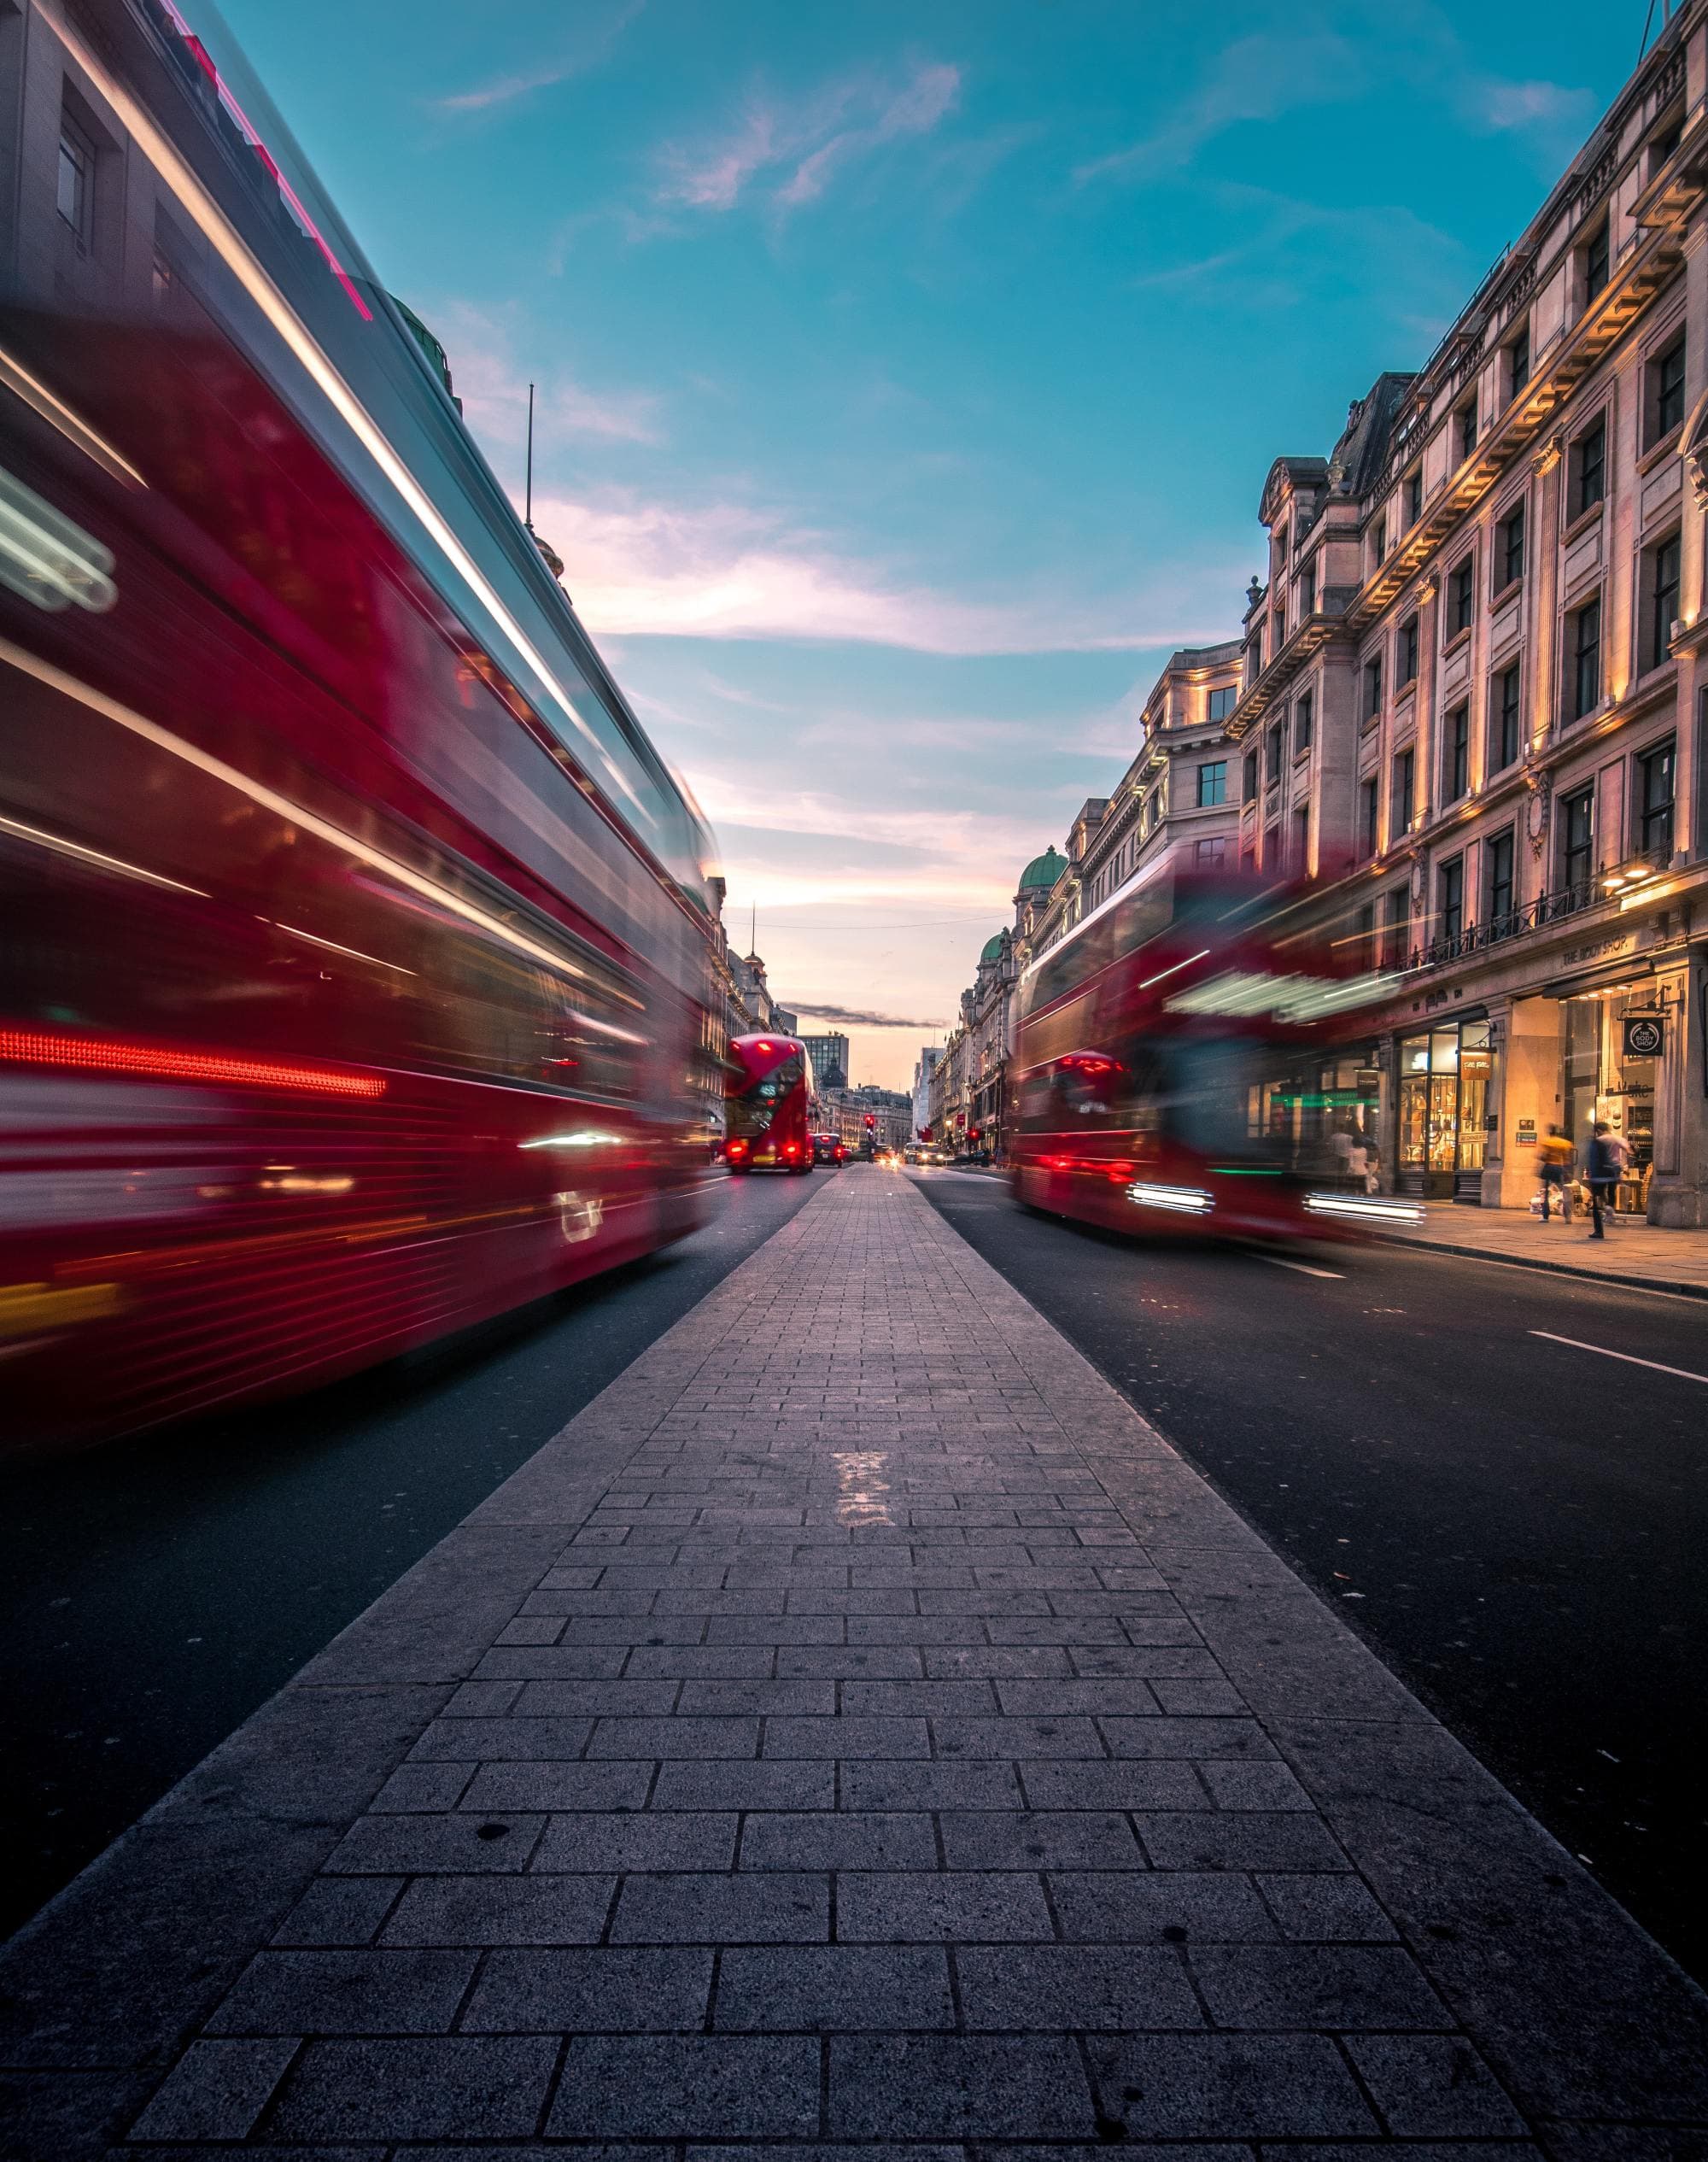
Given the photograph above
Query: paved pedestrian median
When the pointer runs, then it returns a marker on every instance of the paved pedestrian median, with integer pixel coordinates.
(858, 1726)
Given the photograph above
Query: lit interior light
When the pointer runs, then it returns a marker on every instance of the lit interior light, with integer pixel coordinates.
(75, 849)
(299, 1183)
(1183, 1201)
(244, 265)
(73, 426)
(582, 1137)
(46, 559)
(97, 1054)
(333, 946)
(1369, 1206)
(294, 814)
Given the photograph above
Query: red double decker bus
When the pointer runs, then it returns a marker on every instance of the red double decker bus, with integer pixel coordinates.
(770, 1105)
(1158, 1048)
(354, 979)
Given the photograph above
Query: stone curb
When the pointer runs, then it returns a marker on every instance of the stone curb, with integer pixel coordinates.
(1548, 1268)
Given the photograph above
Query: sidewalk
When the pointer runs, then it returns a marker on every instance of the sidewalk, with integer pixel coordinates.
(856, 1727)
(1633, 1253)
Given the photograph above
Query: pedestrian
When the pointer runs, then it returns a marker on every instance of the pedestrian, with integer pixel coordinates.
(1602, 1163)
(1340, 1146)
(1555, 1152)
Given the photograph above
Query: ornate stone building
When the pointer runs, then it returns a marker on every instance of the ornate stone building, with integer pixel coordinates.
(1475, 683)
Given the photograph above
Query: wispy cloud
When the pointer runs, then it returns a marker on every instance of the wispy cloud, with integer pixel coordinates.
(857, 1017)
(786, 153)
(494, 388)
(592, 40)
(639, 568)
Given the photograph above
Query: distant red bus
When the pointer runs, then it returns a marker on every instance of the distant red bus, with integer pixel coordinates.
(1158, 1048)
(770, 1105)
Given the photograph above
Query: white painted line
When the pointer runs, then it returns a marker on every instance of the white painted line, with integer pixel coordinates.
(1303, 1266)
(1683, 1373)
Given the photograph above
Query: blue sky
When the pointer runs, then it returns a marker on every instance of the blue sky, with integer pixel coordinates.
(908, 376)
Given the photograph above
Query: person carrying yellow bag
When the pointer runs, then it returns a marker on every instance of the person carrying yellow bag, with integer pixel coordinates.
(1555, 1154)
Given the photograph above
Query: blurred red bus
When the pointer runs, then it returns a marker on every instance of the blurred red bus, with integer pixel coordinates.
(1153, 1047)
(355, 985)
(770, 1106)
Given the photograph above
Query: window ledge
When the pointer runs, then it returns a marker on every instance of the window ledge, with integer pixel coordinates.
(1582, 522)
(1457, 639)
(1657, 453)
(1405, 692)
(1501, 595)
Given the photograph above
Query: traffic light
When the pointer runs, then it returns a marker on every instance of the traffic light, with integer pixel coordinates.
(871, 1118)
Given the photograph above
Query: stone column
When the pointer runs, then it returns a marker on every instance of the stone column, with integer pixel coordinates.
(1527, 1075)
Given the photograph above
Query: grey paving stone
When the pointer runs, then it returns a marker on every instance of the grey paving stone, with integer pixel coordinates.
(339, 1911)
(1239, 1839)
(797, 1786)
(1080, 1988)
(1222, 2086)
(1326, 1910)
(838, 1839)
(613, 1785)
(845, 1988)
(957, 2087)
(1298, 1986)
(467, 1741)
(1434, 2087)
(1160, 1907)
(215, 2091)
(1017, 1738)
(675, 1737)
(1081, 1783)
(985, 1906)
(918, 1699)
(1237, 1738)
(700, 1662)
(368, 1992)
(652, 1839)
(607, 1989)
(599, 1699)
(1119, 1695)
(698, 2087)
(768, 1699)
(502, 1910)
(774, 1629)
(481, 1699)
(423, 1787)
(460, 1844)
(1254, 1786)
(888, 1662)
(975, 1663)
(453, 2087)
(1045, 1839)
(847, 1738)
(761, 1907)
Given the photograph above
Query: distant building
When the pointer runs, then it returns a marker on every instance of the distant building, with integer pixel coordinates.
(829, 1057)
(847, 1109)
(930, 1055)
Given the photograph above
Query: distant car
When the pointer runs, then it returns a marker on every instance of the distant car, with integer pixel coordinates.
(829, 1148)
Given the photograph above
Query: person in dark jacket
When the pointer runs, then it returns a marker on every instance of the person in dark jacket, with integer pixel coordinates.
(1603, 1161)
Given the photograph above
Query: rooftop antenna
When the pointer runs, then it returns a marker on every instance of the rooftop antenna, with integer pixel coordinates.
(753, 929)
(527, 513)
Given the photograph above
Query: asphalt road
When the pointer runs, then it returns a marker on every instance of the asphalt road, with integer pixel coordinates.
(154, 1592)
(1519, 1528)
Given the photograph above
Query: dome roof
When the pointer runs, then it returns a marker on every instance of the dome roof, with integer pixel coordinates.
(1044, 870)
(992, 948)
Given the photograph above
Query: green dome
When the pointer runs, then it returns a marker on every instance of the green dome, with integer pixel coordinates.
(991, 949)
(1043, 871)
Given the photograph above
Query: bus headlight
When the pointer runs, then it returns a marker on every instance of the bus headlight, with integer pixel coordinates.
(1367, 1207)
(1182, 1201)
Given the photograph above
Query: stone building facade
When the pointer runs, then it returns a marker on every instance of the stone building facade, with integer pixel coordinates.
(1475, 684)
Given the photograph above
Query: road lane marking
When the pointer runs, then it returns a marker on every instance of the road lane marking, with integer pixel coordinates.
(1303, 1266)
(1654, 1365)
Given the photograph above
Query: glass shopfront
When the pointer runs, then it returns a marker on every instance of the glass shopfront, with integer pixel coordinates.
(1444, 1077)
(1319, 1112)
(1602, 1082)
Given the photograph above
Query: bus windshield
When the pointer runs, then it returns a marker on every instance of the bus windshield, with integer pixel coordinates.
(752, 1107)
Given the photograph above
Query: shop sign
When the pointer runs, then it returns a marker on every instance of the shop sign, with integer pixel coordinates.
(1526, 1136)
(1645, 1032)
(1599, 949)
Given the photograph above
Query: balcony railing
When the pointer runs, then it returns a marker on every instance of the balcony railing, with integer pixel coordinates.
(1534, 915)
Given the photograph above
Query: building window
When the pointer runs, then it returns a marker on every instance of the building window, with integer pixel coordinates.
(1394, 928)
(1414, 498)
(1279, 634)
(1662, 146)
(1458, 732)
(1210, 855)
(1406, 651)
(1450, 896)
(1301, 837)
(1589, 483)
(1662, 584)
(1212, 784)
(1271, 847)
(1369, 811)
(1518, 362)
(1403, 800)
(1654, 800)
(1596, 262)
(1509, 549)
(1379, 540)
(1366, 947)
(1666, 391)
(1503, 735)
(1586, 659)
(1250, 776)
(1222, 702)
(1577, 828)
(1304, 721)
(76, 195)
(1372, 687)
(1273, 760)
(1308, 592)
(1498, 862)
(1461, 597)
(1464, 430)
